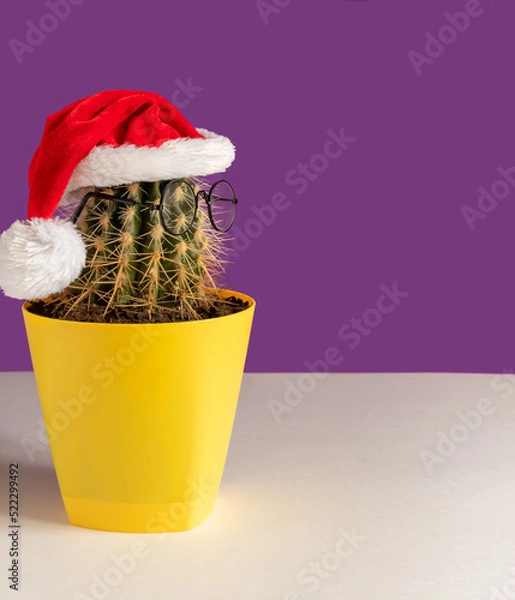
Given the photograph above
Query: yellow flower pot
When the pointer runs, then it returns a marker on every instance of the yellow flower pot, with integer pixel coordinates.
(139, 417)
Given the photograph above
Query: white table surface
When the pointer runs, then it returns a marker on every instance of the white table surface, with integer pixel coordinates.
(347, 462)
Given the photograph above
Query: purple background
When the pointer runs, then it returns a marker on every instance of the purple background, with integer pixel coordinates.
(388, 210)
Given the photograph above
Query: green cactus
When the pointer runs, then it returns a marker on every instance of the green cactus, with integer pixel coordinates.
(132, 261)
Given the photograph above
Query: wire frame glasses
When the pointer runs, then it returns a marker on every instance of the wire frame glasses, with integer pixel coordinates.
(179, 204)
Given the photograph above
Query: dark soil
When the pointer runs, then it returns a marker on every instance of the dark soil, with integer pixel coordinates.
(55, 309)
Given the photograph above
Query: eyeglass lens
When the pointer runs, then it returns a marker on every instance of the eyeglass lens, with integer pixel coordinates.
(178, 207)
(222, 205)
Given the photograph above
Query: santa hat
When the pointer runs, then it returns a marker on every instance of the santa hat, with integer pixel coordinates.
(112, 138)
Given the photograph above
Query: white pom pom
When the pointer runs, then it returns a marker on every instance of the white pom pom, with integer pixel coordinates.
(40, 257)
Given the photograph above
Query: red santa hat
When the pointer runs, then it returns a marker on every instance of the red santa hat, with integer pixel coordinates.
(112, 138)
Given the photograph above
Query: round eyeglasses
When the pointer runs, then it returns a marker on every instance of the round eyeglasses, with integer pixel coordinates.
(179, 204)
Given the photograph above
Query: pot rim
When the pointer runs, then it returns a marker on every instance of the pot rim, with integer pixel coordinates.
(223, 291)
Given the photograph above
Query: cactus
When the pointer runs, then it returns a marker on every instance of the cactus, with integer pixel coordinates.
(133, 262)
